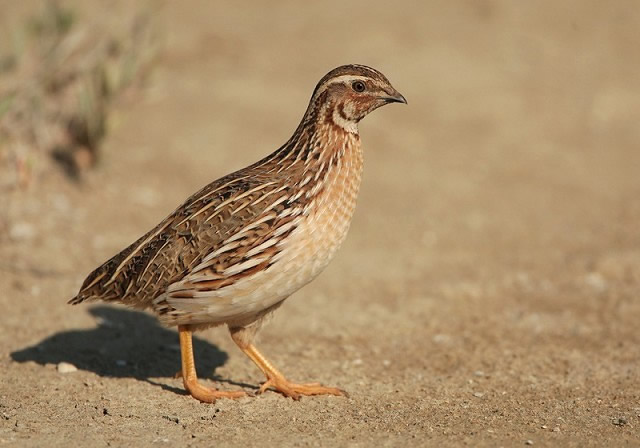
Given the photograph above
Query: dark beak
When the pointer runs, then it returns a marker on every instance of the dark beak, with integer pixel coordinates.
(395, 97)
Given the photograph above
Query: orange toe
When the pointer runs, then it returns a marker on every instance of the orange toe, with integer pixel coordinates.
(295, 391)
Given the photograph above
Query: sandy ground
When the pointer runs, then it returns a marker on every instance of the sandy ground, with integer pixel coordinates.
(488, 293)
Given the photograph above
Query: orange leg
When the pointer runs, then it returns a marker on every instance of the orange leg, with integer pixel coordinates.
(275, 379)
(190, 377)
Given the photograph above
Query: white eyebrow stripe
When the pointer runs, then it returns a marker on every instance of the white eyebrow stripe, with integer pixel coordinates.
(342, 79)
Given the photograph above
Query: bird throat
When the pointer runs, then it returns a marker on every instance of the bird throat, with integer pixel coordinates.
(339, 118)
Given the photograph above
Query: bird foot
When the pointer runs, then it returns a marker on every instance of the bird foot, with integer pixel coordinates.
(295, 391)
(210, 395)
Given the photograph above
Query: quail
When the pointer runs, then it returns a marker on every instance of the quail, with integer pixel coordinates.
(236, 249)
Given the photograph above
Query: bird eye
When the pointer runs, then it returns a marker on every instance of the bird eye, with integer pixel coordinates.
(358, 86)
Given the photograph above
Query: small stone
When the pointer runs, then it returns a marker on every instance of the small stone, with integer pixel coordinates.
(386, 363)
(441, 338)
(619, 421)
(596, 281)
(528, 442)
(357, 362)
(478, 394)
(22, 231)
(544, 426)
(172, 418)
(556, 429)
(66, 367)
(478, 373)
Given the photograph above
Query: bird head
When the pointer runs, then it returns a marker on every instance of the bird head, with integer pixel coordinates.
(350, 92)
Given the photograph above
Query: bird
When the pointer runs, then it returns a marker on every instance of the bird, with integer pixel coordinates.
(235, 250)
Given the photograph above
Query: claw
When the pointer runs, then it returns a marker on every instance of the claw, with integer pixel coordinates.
(209, 395)
(295, 391)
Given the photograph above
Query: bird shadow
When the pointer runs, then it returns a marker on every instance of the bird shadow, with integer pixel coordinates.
(125, 344)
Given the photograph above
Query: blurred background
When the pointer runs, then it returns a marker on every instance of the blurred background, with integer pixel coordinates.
(489, 290)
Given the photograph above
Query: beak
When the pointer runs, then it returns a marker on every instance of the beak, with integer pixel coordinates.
(395, 97)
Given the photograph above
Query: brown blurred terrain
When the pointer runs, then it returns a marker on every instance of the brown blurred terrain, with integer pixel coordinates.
(488, 293)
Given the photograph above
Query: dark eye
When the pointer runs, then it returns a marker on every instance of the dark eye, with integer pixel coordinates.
(358, 86)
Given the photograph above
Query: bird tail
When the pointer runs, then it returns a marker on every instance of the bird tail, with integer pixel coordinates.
(91, 287)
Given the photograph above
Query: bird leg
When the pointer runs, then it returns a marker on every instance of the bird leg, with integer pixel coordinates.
(190, 377)
(275, 379)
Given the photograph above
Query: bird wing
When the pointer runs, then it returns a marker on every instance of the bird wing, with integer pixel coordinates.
(222, 233)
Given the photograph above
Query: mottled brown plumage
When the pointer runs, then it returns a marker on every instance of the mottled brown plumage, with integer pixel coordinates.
(240, 246)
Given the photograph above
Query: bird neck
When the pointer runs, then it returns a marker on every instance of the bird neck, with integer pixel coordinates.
(322, 138)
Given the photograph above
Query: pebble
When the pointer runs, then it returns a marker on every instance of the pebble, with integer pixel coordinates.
(171, 418)
(528, 442)
(619, 421)
(596, 281)
(66, 367)
(22, 231)
(441, 338)
(478, 394)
